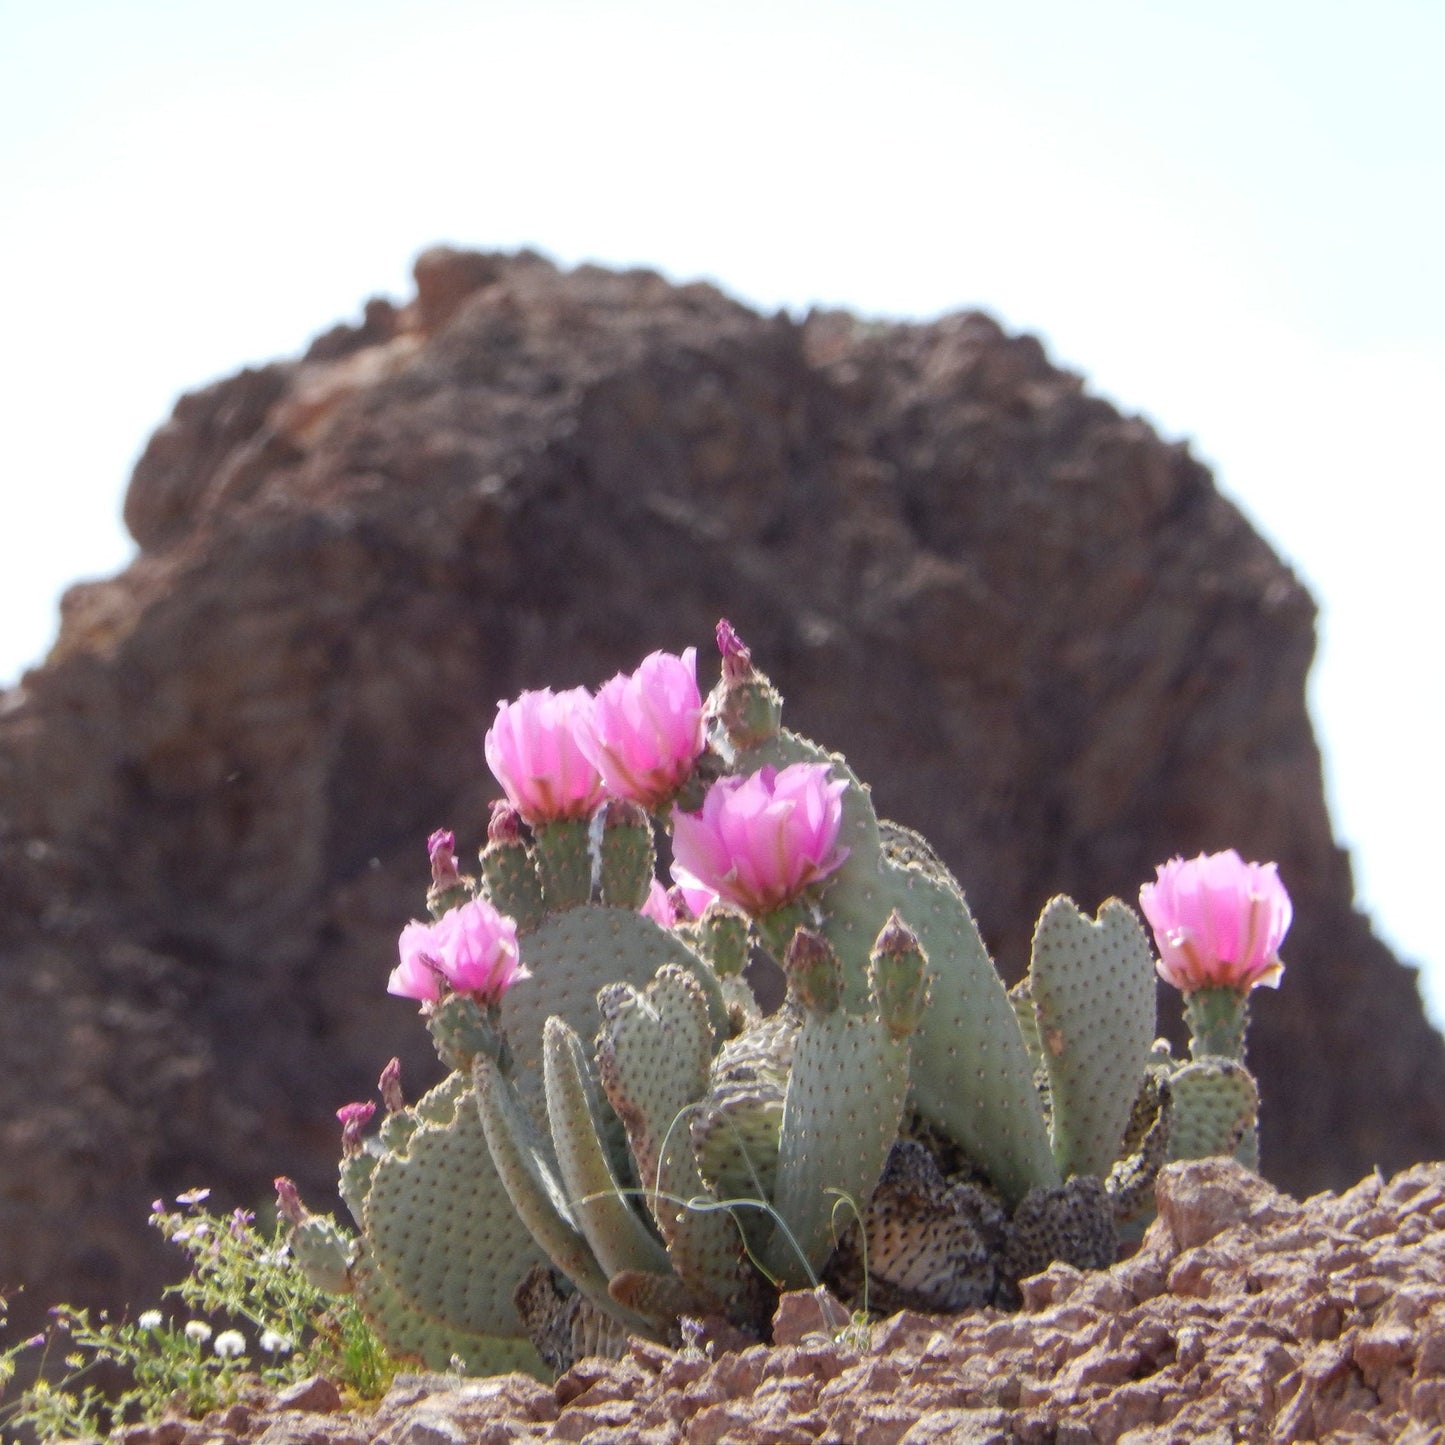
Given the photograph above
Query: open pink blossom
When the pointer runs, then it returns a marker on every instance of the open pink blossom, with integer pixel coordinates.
(533, 751)
(472, 948)
(418, 975)
(760, 840)
(1218, 921)
(645, 729)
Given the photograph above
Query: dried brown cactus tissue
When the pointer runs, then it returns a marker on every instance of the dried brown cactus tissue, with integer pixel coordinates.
(1052, 645)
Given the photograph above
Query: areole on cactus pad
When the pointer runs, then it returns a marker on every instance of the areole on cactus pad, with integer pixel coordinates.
(625, 1141)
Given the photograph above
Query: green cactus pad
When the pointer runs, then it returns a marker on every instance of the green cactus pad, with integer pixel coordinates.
(1028, 1021)
(440, 1226)
(355, 1175)
(563, 850)
(1092, 984)
(844, 1104)
(410, 1334)
(971, 1073)
(1213, 1104)
(324, 1253)
(509, 876)
(653, 1054)
(570, 957)
(523, 1159)
(735, 1130)
(627, 858)
(619, 1238)
(461, 1028)
(723, 939)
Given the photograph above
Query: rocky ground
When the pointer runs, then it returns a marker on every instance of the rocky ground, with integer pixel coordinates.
(1244, 1316)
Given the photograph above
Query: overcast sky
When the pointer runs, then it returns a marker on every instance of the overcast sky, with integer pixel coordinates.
(1229, 217)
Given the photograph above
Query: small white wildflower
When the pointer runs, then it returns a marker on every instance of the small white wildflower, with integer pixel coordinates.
(198, 1331)
(193, 1196)
(150, 1320)
(275, 1344)
(229, 1344)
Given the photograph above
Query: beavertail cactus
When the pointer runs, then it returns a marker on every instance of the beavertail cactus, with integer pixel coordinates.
(625, 1141)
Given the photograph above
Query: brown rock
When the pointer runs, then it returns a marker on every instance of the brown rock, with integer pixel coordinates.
(804, 1313)
(1037, 629)
(960, 1427)
(316, 1394)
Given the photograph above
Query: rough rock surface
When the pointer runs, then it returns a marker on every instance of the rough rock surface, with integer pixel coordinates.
(1244, 1316)
(1037, 629)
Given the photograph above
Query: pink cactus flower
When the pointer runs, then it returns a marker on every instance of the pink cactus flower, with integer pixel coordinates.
(418, 975)
(1218, 921)
(472, 949)
(760, 840)
(658, 906)
(645, 729)
(532, 750)
(477, 949)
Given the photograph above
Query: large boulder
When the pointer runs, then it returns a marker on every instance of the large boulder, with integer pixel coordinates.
(1036, 628)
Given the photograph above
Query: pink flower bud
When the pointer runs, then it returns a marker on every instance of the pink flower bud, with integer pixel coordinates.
(354, 1119)
(418, 975)
(644, 731)
(761, 839)
(288, 1201)
(505, 823)
(390, 1086)
(533, 752)
(1218, 921)
(737, 661)
(441, 848)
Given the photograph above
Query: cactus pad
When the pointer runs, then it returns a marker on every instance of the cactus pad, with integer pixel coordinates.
(1092, 986)
(444, 1242)
(1213, 1104)
(844, 1103)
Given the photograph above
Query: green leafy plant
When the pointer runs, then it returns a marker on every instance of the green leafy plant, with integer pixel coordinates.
(248, 1314)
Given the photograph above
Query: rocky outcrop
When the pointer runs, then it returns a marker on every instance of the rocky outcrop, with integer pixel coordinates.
(1037, 629)
(1244, 1316)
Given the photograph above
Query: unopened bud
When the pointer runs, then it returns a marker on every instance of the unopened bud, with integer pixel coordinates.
(288, 1201)
(813, 971)
(737, 661)
(390, 1086)
(744, 702)
(623, 813)
(505, 824)
(897, 971)
(441, 848)
(354, 1119)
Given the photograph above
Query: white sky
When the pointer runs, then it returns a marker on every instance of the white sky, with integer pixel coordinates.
(1230, 217)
